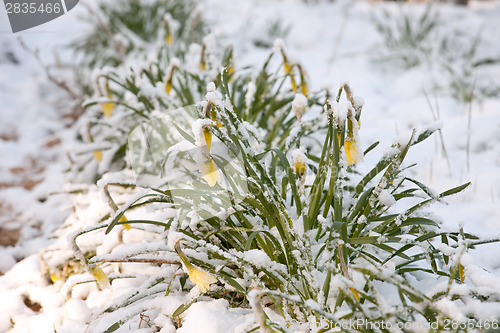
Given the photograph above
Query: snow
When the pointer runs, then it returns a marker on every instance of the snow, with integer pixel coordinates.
(36, 137)
(216, 316)
(298, 156)
(299, 104)
(198, 127)
(386, 198)
(249, 96)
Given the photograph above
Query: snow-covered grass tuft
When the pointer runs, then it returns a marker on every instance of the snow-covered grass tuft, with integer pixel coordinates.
(237, 193)
(293, 231)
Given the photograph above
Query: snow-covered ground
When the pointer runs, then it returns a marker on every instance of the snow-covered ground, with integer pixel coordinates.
(334, 41)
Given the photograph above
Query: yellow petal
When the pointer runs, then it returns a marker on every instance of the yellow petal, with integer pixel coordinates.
(99, 275)
(208, 137)
(461, 272)
(54, 278)
(299, 168)
(123, 219)
(107, 108)
(202, 279)
(288, 68)
(209, 173)
(355, 293)
(303, 88)
(289, 71)
(168, 86)
(294, 85)
(98, 155)
(351, 151)
(169, 39)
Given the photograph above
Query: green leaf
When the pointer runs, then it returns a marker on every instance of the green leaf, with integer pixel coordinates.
(372, 240)
(183, 307)
(113, 327)
(454, 190)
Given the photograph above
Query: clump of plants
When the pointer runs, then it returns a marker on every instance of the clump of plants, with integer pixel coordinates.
(132, 26)
(296, 233)
(421, 36)
(243, 185)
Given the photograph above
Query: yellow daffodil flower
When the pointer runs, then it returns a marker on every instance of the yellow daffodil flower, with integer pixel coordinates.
(107, 107)
(351, 151)
(55, 277)
(200, 278)
(289, 70)
(99, 275)
(461, 272)
(98, 155)
(299, 168)
(208, 137)
(355, 293)
(168, 86)
(303, 88)
(123, 219)
(209, 172)
(203, 65)
(230, 71)
(170, 75)
(303, 81)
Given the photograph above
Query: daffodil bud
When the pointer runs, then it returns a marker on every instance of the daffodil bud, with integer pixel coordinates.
(123, 219)
(230, 72)
(98, 155)
(170, 73)
(299, 162)
(355, 294)
(208, 137)
(205, 163)
(99, 275)
(299, 104)
(288, 68)
(209, 172)
(107, 107)
(351, 151)
(461, 273)
(356, 102)
(203, 65)
(229, 63)
(168, 28)
(303, 81)
(200, 278)
(299, 167)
